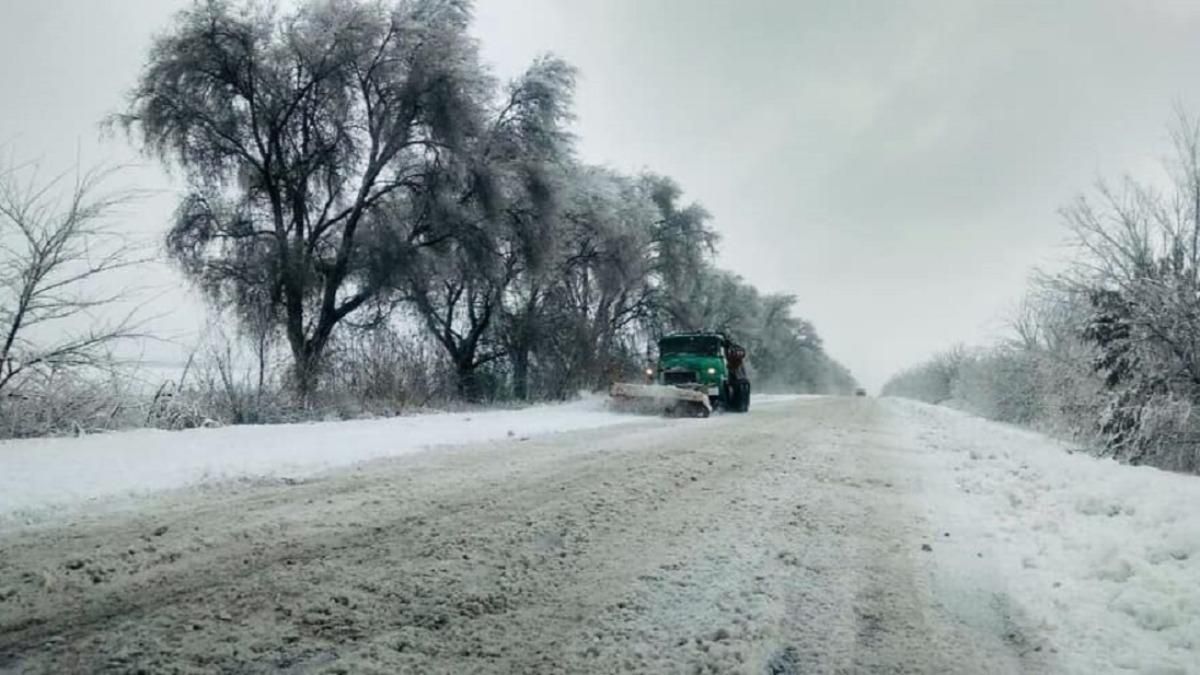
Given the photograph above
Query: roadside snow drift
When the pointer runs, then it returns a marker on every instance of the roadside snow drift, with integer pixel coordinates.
(1101, 559)
(44, 472)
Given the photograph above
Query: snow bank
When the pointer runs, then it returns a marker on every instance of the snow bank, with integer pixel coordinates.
(46, 472)
(1102, 560)
(764, 399)
(39, 473)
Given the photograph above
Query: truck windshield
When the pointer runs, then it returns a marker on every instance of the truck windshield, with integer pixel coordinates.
(703, 345)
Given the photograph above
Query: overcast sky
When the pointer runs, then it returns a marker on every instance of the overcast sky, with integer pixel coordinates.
(896, 165)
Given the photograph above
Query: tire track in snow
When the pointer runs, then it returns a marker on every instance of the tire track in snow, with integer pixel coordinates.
(782, 541)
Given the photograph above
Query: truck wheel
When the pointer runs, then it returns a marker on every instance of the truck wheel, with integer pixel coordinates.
(741, 397)
(729, 402)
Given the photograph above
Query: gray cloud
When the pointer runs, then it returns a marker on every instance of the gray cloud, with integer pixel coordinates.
(896, 165)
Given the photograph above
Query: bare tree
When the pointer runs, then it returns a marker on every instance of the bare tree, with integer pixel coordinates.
(295, 132)
(681, 247)
(1107, 350)
(57, 254)
(458, 305)
(479, 293)
(602, 283)
(1138, 269)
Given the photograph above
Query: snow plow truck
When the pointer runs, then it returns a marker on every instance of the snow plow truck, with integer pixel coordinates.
(695, 374)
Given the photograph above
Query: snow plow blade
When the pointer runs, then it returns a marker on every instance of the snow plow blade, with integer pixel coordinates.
(659, 399)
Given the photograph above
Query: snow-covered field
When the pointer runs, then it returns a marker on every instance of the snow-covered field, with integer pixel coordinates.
(48, 472)
(38, 473)
(1101, 558)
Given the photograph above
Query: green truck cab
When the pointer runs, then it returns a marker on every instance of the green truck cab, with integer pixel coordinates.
(709, 362)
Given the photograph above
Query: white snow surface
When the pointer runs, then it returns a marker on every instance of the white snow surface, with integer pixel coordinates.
(47, 472)
(1093, 562)
(36, 474)
(1098, 561)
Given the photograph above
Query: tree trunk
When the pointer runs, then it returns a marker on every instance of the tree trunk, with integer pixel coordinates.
(308, 364)
(305, 363)
(469, 386)
(520, 365)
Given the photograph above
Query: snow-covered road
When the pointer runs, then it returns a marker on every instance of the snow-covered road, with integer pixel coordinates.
(816, 535)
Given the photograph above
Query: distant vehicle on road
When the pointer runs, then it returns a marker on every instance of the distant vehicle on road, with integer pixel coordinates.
(860, 392)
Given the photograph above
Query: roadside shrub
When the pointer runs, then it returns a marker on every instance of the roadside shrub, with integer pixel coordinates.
(59, 404)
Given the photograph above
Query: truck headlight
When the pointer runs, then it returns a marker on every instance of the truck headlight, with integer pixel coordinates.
(712, 371)
(649, 371)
